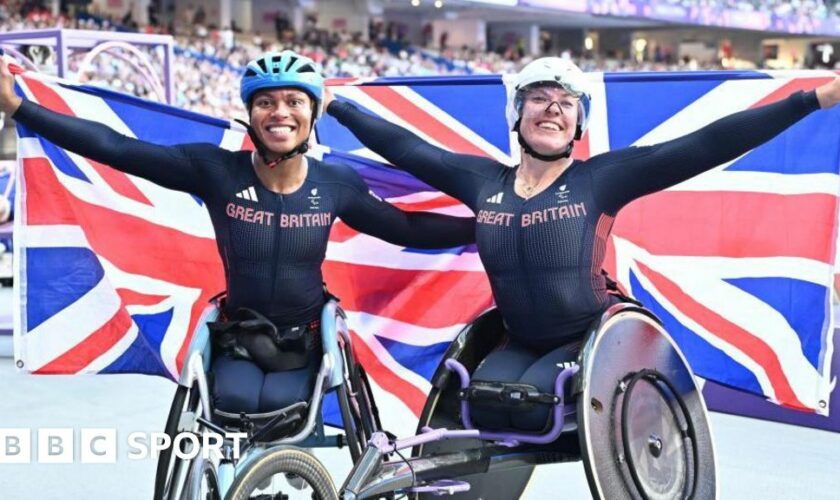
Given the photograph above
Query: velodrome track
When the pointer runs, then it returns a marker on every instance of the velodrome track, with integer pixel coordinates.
(756, 459)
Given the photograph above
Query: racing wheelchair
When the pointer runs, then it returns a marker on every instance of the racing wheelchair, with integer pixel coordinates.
(271, 461)
(629, 408)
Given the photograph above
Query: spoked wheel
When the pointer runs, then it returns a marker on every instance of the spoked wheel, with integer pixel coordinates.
(172, 470)
(283, 473)
(355, 402)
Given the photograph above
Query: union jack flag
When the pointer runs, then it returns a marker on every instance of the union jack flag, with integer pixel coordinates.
(114, 271)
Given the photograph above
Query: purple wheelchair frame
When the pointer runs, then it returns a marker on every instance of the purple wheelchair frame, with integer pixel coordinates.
(381, 445)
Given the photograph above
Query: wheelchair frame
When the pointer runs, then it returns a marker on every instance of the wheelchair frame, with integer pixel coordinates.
(173, 479)
(373, 476)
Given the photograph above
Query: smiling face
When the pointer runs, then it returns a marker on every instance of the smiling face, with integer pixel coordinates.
(281, 118)
(549, 119)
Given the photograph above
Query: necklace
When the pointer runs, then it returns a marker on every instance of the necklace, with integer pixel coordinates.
(528, 189)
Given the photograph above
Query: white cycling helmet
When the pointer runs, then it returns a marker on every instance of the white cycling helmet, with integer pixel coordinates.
(550, 71)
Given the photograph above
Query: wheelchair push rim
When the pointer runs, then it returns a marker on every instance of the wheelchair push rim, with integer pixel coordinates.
(283, 472)
(644, 428)
(358, 411)
(172, 472)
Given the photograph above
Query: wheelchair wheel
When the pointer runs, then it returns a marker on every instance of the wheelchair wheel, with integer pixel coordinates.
(203, 481)
(644, 427)
(356, 405)
(172, 471)
(286, 473)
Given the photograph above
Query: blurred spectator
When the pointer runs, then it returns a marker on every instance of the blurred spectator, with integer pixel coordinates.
(208, 64)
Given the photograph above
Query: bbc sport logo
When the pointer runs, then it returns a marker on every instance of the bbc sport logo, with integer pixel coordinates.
(100, 445)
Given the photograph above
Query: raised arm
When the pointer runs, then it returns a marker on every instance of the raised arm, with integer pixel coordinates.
(170, 167)
(364, 211)
(458, 175)
(624, 175)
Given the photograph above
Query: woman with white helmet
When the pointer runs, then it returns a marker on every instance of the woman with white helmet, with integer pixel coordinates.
(272, 212)
(542, 226)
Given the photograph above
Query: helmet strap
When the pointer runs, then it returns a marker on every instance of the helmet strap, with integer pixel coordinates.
(262, 151)
(567, 152)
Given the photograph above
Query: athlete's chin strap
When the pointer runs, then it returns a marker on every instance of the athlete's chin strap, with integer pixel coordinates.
(302, 148)
(539, 156)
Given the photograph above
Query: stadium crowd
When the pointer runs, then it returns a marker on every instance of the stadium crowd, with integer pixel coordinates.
(209, 60)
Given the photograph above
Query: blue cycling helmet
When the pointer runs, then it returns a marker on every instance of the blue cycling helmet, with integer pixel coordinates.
(286, 69)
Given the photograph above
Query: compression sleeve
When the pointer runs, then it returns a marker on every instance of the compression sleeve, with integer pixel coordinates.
(168, 166)
(624, 175)
(458, 175)
(365, 211)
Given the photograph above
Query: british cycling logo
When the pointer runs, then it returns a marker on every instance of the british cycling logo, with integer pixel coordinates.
(100, 445)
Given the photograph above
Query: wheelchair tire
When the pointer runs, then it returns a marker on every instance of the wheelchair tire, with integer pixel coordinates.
(202, 482)
(352, 429)
(643, 425)
(185, 400)
(370, 413)
(359, 410)
(302, 465)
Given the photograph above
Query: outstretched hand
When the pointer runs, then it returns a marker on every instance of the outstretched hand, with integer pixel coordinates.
(829, 94)
(9, 101)
(328, 97)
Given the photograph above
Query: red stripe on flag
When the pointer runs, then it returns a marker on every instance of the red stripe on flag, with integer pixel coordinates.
(804, 84)
(130, 297)
(46, 200)
(409, 394)
(758, 350)
(727, 224)
(120, 182)
(247, 144)
(341, 232)
(337, 82)
(431, 299)
(423, 120)
(47, 97)
(426, 205)
(92, 347)
(581, 150)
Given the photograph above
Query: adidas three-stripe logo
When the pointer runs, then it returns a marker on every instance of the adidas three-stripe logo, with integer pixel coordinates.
(496, 198)
(248, 194)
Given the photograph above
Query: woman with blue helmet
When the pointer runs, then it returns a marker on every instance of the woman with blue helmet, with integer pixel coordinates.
(272, 212)
(284, 70)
